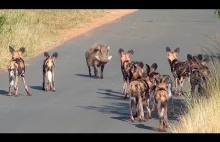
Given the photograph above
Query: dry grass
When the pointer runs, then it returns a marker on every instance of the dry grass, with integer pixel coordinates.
(37, 30)
(203, 111)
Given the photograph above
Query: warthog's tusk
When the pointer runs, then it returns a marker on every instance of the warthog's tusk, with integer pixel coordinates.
(109, 57)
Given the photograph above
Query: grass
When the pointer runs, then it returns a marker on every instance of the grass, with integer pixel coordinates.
(203, 113)
(38, 30)
(217, 12)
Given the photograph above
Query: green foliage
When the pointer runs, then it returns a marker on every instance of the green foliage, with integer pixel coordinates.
(217, 12)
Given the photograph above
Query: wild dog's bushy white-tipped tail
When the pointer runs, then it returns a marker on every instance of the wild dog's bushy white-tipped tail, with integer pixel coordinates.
(169, 90)
(49, 76)
(162, 112)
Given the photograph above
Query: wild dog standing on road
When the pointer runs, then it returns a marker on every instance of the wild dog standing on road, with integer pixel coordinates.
(16, 68)
(169, 86)
(180, 70)
(161, 98)
(138, 93)
(199, 72)
(125, 58)
(146, 86)
(131, 70)
(48, 71)
(98, 56)
(151, 75)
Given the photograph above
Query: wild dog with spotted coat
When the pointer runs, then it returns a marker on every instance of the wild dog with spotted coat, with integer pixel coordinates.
(145, 86)
(199, 72)
(151, 75)
(48, 71)
(169, 85)
(16, 68)
(161, 98)
(180, 70)
(98, 56)
(139, 91)
(131, 70)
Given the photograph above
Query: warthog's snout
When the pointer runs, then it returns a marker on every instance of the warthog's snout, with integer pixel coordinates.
(105, 60)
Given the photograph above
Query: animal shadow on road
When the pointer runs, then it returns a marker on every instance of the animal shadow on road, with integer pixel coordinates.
(36, 87)
(3, 92)
(84, 75)
(119, 109)
(109, 94)
(142, 126)
(120, 112)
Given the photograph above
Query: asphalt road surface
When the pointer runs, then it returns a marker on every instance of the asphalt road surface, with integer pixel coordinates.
(87, 105)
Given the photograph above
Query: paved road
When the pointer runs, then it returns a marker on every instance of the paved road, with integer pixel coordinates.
(82, 104)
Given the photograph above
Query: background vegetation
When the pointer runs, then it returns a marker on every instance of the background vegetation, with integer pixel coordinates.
(38, 30)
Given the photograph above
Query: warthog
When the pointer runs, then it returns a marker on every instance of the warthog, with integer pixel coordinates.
(98, 56)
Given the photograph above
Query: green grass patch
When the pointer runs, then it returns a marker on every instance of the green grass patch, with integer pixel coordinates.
(37, 30)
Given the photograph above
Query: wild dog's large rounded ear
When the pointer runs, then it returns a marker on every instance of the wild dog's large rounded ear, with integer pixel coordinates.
(168, 49)
(199, 56)
(189, 57)
(141, 64)
(177, 50)
(46, 54)
(133, 69)
(131, 52)
(55, 55)
(22, 50)
(154, 67)
(108, 47)
(120, 51)
(166, 79)
(205, 61)
(147, 69)
(11, 49)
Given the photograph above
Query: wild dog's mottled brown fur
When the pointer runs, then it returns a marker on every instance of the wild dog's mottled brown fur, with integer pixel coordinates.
(161, 99)
(150, 80)
(98, 56)
(16, 68)
(169, 86)
(151, 75)
(139, 91)
(131, 70)
(125, 59)
(180, 70)
(49, 65)
(199, 71)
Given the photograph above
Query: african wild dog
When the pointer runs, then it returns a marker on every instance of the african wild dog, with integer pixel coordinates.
(161, 98)
(145, 85)
(131, 70)
(16, 68)
(169, 85)
(125, 58)
(48, 71)
(199, 72)
(180, 70)
(98, 56)
(151, 75)
(138, 93)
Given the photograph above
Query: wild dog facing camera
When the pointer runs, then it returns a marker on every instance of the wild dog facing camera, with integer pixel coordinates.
(98, 56)
(48, 71)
